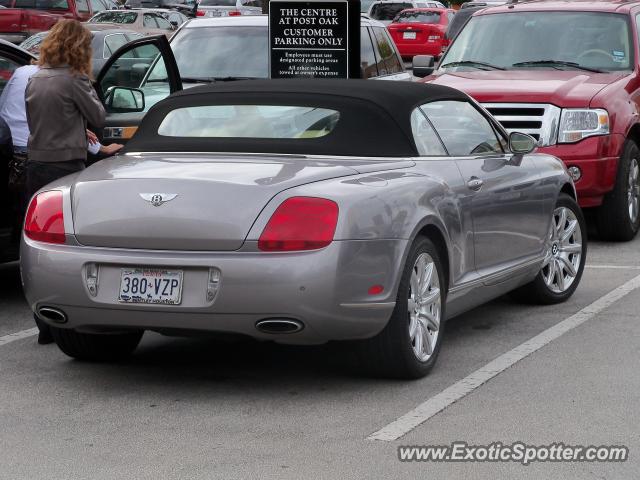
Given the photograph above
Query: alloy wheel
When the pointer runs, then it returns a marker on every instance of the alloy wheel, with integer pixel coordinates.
(633, 190)
(564, 251)
(424, 307)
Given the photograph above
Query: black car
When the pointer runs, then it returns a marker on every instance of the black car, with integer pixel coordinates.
(11, 58)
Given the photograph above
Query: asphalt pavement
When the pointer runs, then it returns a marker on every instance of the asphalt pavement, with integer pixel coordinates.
(201, 408)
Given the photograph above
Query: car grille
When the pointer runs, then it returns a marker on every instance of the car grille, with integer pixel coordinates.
(536, 119)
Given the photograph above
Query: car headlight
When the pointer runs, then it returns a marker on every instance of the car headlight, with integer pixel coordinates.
(579, 123)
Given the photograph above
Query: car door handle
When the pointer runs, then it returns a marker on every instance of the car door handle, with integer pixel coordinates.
(475, 184)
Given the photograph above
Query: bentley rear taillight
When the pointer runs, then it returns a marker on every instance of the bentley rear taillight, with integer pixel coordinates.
(300, 223)
(45, 221)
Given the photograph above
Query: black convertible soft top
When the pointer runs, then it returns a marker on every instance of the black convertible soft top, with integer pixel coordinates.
(374, 116)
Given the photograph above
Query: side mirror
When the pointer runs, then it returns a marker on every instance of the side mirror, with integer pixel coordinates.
(521, 143)
(124, 100)
(174, 24)
(423, 65)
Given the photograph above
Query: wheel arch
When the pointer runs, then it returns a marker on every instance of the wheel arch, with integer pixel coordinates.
(434, 230)
(570, 190)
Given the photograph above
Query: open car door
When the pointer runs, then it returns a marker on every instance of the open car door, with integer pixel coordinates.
(136, 77)
(11, 58)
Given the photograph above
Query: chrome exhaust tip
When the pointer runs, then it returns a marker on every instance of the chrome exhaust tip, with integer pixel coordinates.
(279, 325)
(52, 314)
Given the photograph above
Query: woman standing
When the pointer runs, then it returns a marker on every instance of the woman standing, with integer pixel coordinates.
(60, 103)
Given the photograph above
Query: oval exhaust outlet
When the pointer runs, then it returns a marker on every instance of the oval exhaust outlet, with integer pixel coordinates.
(52, 314)
(279, 325)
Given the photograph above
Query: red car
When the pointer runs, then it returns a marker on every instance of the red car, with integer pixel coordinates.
(567, 73)
(421, 31)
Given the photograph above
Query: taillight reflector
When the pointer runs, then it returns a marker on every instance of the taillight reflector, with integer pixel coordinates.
(45, 221)
(234, 13)
(300, 223)
(200, 13)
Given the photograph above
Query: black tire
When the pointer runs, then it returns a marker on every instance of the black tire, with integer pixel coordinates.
(390, 353)
(537, 291)
(96, 347)
(612, 217)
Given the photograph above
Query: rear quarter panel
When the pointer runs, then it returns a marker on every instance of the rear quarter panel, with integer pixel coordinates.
(395, 205)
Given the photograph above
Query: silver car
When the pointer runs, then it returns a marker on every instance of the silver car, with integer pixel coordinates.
(302, 212)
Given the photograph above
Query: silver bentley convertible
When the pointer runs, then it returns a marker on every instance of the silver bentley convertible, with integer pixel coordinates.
(302, 212)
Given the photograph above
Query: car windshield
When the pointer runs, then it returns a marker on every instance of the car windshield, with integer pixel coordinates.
(388, 10)
(218, 3)
(231, 52)
(115, 17)
(563, 40)
(416, 16)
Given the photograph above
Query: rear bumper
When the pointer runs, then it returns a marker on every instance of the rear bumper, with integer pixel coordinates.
(597, 158)
(14, 37)
(326, 290)
(413, 49)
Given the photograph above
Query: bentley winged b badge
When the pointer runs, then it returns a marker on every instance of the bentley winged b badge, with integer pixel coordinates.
(157, 199)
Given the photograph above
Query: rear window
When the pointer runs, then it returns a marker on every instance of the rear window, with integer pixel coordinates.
(43, 4)
(218, 3)
(249, 121)
(388, 10)
(115, 17)
(414, 16)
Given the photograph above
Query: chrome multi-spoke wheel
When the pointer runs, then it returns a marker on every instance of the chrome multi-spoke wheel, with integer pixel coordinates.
(564, 251)
(633, 190)
(424, 307)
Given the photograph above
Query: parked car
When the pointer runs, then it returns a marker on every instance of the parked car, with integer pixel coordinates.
(147, 22)
(390, 210)
(104, 43)
(186, 7)
(23, 18)
(237, 48)
(421, 31)
(11, 57)
(228, 8)
(385, 11)
(566, 73)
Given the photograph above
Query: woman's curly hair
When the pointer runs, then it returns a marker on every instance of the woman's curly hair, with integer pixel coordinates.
(68, 43)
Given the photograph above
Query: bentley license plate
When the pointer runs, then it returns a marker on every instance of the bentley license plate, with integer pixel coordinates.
(409, 35)
(151, 285)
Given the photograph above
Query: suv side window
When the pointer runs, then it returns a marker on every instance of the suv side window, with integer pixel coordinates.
(388, 61)
(82, 6)
(97, 6)
(462, 128)
(149, 21)
(367, 56)
(163, 22)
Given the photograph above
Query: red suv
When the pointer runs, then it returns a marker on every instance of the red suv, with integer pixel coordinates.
(421, 31)
(567, 73)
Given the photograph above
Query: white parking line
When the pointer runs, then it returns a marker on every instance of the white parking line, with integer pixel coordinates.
(614, 267)
(455, 392)
(12, 337)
